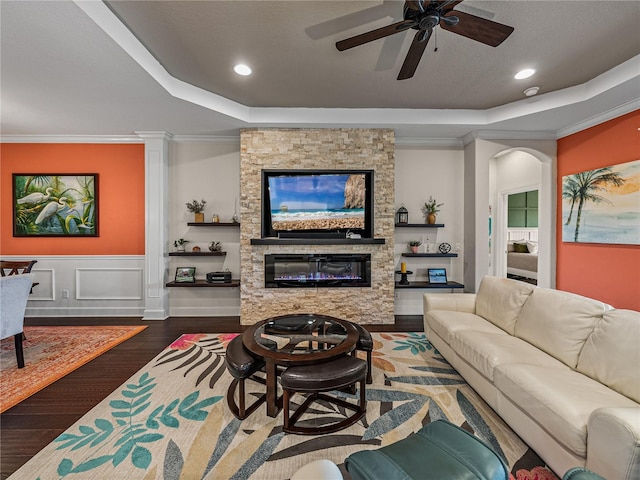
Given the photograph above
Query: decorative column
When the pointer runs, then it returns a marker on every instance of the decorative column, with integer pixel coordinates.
(156, 152)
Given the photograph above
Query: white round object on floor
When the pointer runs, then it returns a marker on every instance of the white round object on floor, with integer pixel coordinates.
(318, 470)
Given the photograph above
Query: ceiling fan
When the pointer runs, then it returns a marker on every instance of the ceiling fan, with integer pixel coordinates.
(424, 16)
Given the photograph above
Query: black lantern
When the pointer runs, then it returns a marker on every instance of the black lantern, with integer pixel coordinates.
(402, 215)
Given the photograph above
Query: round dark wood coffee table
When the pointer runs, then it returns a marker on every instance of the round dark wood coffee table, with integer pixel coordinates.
(297, 339)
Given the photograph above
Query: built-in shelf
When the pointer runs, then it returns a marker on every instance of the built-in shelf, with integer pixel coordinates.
(197, 254)
(214, 224)
(419, 225)
(203, 283)
(317, 241)
(429, 254)
(430, 285)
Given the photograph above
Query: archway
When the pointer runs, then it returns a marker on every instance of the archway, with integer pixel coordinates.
(478, 155)
(545, 185)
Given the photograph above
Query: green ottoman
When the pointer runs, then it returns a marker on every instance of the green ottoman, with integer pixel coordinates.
(438, 451)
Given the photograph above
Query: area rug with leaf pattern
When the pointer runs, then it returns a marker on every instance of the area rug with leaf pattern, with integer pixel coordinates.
(51, 352)
(171, 420)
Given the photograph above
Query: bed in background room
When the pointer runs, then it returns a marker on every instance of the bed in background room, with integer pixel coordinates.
(522, 253)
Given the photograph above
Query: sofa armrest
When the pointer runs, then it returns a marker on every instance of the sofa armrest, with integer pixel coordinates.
(460, 302)
(613, 442)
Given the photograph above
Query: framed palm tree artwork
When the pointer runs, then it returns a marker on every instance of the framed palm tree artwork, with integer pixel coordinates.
(55, 205)
(602, 205)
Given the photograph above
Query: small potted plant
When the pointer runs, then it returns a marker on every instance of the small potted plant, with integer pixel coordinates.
(413, 245)
(180, 244)
(197, 208)
(430, 208)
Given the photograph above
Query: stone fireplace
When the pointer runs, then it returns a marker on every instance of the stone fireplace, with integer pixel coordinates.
(339, 149)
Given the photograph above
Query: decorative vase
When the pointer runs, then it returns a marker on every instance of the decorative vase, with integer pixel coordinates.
(199, 217)
(431, 218)
(414, 248)
(180, 248)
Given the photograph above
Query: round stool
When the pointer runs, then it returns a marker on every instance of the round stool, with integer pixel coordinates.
(315, 379)
(242, 365)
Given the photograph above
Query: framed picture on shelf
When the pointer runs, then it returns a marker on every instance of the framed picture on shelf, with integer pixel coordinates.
(185, 275)
(437, 275)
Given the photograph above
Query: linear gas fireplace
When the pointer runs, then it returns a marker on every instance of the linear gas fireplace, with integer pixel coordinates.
(317, 270)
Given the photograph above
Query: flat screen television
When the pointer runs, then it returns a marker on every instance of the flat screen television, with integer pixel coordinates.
(317, 203)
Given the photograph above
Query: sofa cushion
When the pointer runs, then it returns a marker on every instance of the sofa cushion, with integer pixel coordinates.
(446, 322)
(485, 351)
(559, 400)
(558, 322)
(611, 354)
(500, 301)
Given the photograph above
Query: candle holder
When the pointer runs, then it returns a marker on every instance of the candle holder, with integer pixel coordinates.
(403, 277)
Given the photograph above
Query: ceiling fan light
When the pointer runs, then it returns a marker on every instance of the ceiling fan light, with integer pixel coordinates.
(526, 73)
(531, 91)
(242, 69)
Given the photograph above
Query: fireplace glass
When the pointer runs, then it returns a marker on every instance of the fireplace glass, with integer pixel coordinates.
(317, 270)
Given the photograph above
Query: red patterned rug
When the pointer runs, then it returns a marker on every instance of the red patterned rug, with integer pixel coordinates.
(51, 353)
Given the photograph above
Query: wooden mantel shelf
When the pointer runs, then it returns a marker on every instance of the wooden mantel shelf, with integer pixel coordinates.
(203, 283)
(318, 241)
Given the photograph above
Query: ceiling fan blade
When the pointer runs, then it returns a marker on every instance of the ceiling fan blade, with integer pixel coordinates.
(479, 29)
(415, 54)
(447, 6)
(374, 35)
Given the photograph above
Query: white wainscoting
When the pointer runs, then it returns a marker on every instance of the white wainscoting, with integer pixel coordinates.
(86, 286)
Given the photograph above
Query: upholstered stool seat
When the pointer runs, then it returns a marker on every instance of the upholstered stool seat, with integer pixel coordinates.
(438, 451)
(335, 374)
(242, 365)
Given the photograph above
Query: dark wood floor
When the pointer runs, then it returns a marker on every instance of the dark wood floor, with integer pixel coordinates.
(32, 424)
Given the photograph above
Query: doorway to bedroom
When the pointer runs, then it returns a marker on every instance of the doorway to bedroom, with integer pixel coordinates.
(517, 177)
(522, 236)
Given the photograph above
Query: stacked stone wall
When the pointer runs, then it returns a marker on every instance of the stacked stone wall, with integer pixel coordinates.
(339, 149)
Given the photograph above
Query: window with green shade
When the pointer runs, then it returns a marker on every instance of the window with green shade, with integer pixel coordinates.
(523, 209)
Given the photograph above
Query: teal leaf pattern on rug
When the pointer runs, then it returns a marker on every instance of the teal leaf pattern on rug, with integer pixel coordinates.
(415, 342)
(132, 433)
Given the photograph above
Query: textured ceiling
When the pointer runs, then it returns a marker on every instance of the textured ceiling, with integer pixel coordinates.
(291, 47)
(67, 71)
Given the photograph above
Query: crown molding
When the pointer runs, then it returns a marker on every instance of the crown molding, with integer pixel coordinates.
(601, 118)
(221, 139)
(408, 142)
(70, 139)
(507, 135)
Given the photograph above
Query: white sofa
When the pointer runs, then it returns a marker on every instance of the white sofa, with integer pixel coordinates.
(562, 370)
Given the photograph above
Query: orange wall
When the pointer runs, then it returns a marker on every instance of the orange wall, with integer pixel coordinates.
(610, 273)
(121, 196)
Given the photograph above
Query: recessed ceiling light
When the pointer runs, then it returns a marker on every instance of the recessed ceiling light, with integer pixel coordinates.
(531, 91)
(242, 69)
(526, 73)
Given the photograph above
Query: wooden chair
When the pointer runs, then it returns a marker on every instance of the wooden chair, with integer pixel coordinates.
(12, 267)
